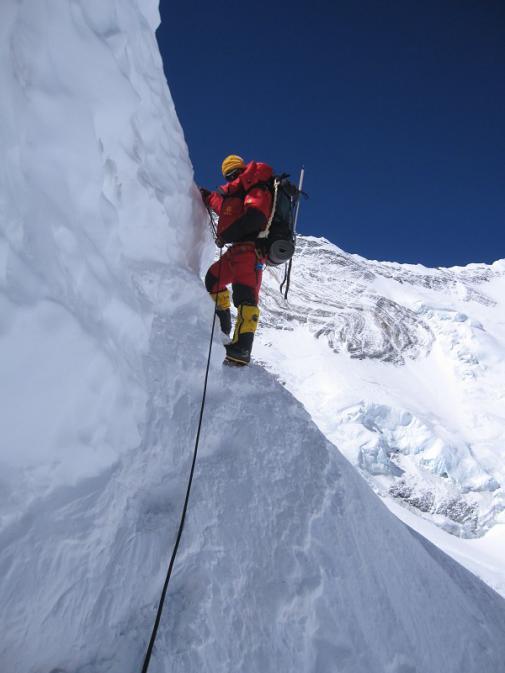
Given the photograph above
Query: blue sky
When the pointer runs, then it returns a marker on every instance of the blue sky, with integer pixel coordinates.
(397, 110)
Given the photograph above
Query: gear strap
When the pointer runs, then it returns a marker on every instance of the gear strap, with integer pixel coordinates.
(266, 231)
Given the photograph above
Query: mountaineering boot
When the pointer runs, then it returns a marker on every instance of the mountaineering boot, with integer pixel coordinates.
(222, 300)
(239, 351)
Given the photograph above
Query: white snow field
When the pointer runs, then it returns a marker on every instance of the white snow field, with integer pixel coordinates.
(403, 368)
(289, 561)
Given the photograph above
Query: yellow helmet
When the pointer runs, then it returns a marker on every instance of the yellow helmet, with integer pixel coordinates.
(231, 163)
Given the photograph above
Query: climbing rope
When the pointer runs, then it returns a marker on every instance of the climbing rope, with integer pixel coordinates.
(287, 278)
(154, 633)
(212, 223)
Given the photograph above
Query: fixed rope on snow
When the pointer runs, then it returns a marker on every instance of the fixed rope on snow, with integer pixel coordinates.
(149, 651)
(154, 632)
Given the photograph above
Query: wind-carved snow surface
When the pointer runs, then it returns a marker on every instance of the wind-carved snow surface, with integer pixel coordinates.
(403, 367)
(288, 562)
(88, 136)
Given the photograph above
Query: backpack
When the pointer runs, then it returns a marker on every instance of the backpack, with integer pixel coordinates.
(279, 237)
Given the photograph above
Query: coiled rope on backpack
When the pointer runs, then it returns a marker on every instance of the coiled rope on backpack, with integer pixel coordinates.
(266, 231)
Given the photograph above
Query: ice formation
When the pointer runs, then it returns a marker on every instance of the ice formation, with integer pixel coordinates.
(402, 367)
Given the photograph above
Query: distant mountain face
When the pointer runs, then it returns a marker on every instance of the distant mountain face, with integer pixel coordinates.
(403, 368)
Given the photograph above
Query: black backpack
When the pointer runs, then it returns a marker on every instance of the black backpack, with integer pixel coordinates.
(278, 239)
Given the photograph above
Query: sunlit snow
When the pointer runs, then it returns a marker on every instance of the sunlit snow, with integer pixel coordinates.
(402, 367)
(289, 561)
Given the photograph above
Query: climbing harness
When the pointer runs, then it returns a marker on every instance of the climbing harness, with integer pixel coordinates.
(161, 603)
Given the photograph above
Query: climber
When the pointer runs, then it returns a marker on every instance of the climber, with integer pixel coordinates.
(243, 205)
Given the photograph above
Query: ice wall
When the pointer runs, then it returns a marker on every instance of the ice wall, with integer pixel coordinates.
(100, 229)
(95, 194)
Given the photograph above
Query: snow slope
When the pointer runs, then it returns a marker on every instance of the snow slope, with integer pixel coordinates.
(288, 561)
(403, 368)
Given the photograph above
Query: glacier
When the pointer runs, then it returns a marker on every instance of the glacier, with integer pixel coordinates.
(402, 367)
(289, 561)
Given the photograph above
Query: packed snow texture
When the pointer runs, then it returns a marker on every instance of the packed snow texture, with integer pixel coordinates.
(289, 562)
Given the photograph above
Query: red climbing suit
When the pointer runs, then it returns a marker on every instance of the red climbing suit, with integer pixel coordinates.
(243, 268)
(232, 201)
(244, 207)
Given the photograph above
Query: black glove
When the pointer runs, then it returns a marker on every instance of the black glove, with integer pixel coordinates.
(205, 194)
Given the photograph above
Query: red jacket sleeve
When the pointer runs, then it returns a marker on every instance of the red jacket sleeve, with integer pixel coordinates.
(215, 201)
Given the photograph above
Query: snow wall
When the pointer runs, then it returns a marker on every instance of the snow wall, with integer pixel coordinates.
(95, 206)
(288, 561)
